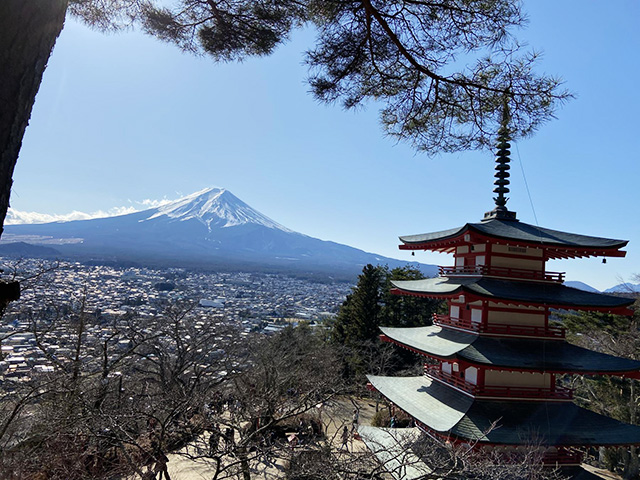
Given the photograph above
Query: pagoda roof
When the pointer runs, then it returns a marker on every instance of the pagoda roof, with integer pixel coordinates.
(517, 233)
(550, 355)
(515, 292)
(431, 402)
(552, 423)
(511, 353)
(445, 409)
(433, 340)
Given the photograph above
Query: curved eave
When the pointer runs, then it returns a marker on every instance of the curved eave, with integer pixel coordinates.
(514, 293)
(430, 402)
(509, 354)
(447, 240)
(443, 409)
(433, 341)
(550, 423)
(545, 355)
(445, 244)
(443, 236)
(472, 297)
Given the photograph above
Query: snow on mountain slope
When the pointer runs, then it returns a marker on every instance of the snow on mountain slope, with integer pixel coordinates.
(211, 227)
(214, 207)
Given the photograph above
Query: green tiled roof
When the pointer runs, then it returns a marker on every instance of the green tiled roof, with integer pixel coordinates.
(429, 237)
(519, 231)
(516, 422)
(534, 354)
(552, 355)
(435, 340)
(432, 403)
(529, 292)
(548, 423)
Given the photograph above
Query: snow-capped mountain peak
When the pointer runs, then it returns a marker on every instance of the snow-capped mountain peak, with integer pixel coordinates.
(191, 232)
(214, 207)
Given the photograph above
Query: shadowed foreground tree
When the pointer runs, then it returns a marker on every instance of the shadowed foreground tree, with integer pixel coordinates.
(441, 70)
(286, 382)
(122, 391)
(409, 453)
(121, 394)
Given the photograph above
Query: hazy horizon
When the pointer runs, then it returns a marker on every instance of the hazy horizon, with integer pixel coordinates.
(125, 119)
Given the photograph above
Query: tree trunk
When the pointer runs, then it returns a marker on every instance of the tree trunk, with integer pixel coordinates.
(244, 462)
(632, 463)
(631, 467)
(28, 32)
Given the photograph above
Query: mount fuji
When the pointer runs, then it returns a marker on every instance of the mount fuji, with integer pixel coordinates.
(208, 229)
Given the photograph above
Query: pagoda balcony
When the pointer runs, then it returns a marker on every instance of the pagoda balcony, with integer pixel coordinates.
(537, 393)
(562, 457)
(504, 272)
(500, 328)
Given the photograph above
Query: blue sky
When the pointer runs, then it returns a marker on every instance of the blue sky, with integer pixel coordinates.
(124, 118)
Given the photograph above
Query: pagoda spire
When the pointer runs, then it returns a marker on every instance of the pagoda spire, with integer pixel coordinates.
(502, 170)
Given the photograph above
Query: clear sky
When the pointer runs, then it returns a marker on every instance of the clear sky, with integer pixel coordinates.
(124, 118)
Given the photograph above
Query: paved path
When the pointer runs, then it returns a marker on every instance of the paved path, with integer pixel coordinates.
(334, 417)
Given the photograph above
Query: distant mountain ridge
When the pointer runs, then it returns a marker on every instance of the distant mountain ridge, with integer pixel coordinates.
(620, 288)
(581, 286)
(210, 228)
(624, 288)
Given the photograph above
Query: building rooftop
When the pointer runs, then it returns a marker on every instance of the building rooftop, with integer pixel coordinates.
(516, 292)
(516, 353)
(517, 233)
(444, 409)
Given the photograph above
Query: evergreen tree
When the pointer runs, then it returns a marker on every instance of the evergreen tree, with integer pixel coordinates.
(404, 311)
(371, 305)
(359, 316)
(401, 53)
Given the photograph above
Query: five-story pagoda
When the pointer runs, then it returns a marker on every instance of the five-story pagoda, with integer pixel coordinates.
(493, 378)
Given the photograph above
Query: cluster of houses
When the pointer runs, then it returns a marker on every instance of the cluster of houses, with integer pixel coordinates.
(32, 342)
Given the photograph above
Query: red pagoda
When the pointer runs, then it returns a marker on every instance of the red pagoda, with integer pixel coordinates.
(495, 358)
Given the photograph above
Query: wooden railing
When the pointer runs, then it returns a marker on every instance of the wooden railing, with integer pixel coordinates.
(562, 458)
(519, 273)
(557, 393)
(434, 372)
(500, 328)
(456, 322)
(510, 456)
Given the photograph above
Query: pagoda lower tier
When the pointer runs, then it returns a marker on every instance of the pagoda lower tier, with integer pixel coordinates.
(443, 410)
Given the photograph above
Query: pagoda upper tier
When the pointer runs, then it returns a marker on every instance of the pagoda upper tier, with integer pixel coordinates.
(497, 232)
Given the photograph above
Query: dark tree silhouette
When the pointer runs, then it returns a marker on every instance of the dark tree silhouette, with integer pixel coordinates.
(440, 68)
